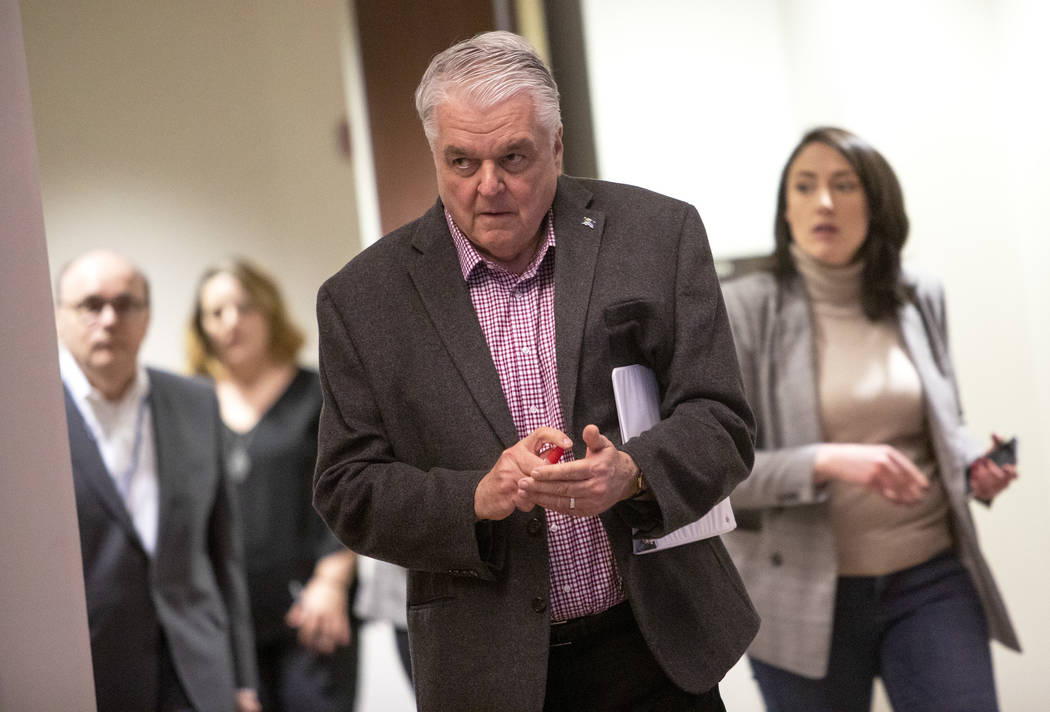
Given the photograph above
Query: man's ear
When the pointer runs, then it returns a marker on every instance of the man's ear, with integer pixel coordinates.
(559, 149)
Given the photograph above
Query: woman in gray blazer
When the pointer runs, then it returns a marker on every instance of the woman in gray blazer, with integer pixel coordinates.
(856, 540)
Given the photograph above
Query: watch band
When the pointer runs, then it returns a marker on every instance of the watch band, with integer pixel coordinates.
(640, 485)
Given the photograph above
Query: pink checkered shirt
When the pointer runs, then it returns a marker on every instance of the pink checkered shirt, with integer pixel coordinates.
(516, 313)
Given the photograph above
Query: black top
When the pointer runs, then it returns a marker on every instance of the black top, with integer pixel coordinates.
(283, 535)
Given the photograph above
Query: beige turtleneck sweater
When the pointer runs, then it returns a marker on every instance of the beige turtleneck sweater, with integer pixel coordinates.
(869, 392)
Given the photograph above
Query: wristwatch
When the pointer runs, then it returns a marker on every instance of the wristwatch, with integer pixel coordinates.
(640, 486)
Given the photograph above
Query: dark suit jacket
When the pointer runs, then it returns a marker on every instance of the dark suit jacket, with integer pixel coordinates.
(414, 416)
(192, 594)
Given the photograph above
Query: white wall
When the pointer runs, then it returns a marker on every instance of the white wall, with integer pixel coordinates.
(704, 99)
(683, 97)
(180, 133)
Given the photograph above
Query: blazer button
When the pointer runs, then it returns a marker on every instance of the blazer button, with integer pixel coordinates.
(539, 604)
(534, 527)
(776, 559)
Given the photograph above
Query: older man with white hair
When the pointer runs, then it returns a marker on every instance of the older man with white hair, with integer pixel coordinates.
(469, 430)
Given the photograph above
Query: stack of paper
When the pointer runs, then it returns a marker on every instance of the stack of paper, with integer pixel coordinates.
(638, 408)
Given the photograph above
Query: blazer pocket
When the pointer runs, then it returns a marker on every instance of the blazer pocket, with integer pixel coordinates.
(637, 334)
(431, 603)
(427, 589)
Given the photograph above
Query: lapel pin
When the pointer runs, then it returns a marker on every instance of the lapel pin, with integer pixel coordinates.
(589, 222)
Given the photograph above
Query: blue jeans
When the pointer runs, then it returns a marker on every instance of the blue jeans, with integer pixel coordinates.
(922, 630)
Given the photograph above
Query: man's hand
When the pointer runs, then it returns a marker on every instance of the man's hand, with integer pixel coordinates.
(880, 468)
(498, 493)
(584, 487)
(988, 479)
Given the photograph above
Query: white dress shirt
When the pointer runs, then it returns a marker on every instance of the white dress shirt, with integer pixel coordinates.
(123, 431)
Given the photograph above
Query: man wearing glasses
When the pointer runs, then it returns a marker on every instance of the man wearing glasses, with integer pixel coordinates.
(166, 598)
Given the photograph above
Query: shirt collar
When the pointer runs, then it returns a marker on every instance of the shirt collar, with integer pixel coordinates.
(470, 258)
(82, 390)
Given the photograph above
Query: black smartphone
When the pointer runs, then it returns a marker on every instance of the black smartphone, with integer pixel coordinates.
(1005, 453)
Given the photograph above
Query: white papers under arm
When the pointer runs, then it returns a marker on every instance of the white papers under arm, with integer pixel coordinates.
(638, 409)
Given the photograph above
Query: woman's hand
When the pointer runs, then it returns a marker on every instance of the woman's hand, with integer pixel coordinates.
(320, 614)
(880, 468)
(988, 479)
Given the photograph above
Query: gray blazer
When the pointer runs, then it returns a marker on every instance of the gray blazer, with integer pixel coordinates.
(191, 595)
(414, 416)
(789, 561)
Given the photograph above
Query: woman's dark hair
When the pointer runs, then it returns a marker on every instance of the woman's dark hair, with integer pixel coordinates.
(285, 338)
(881, 288)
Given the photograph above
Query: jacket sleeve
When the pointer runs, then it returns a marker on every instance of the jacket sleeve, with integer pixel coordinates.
(704, 445)
(782, 475)
(320, 539)
(932, 305)
(376, 503)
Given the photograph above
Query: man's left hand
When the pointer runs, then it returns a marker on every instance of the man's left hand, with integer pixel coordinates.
(586, 487)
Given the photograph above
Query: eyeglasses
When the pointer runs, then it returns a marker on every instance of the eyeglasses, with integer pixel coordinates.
(124, 305)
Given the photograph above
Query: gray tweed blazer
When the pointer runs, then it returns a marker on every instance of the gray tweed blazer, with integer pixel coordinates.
(788, 562)
(414, 416)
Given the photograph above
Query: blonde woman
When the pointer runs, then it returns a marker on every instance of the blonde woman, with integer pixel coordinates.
(299, 576)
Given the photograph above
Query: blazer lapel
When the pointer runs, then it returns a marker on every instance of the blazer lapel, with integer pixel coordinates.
(939, 398)
(578, 233)
(792, 364)
(91, 469)
(166, 445)
(436, 274)
(913, 334)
